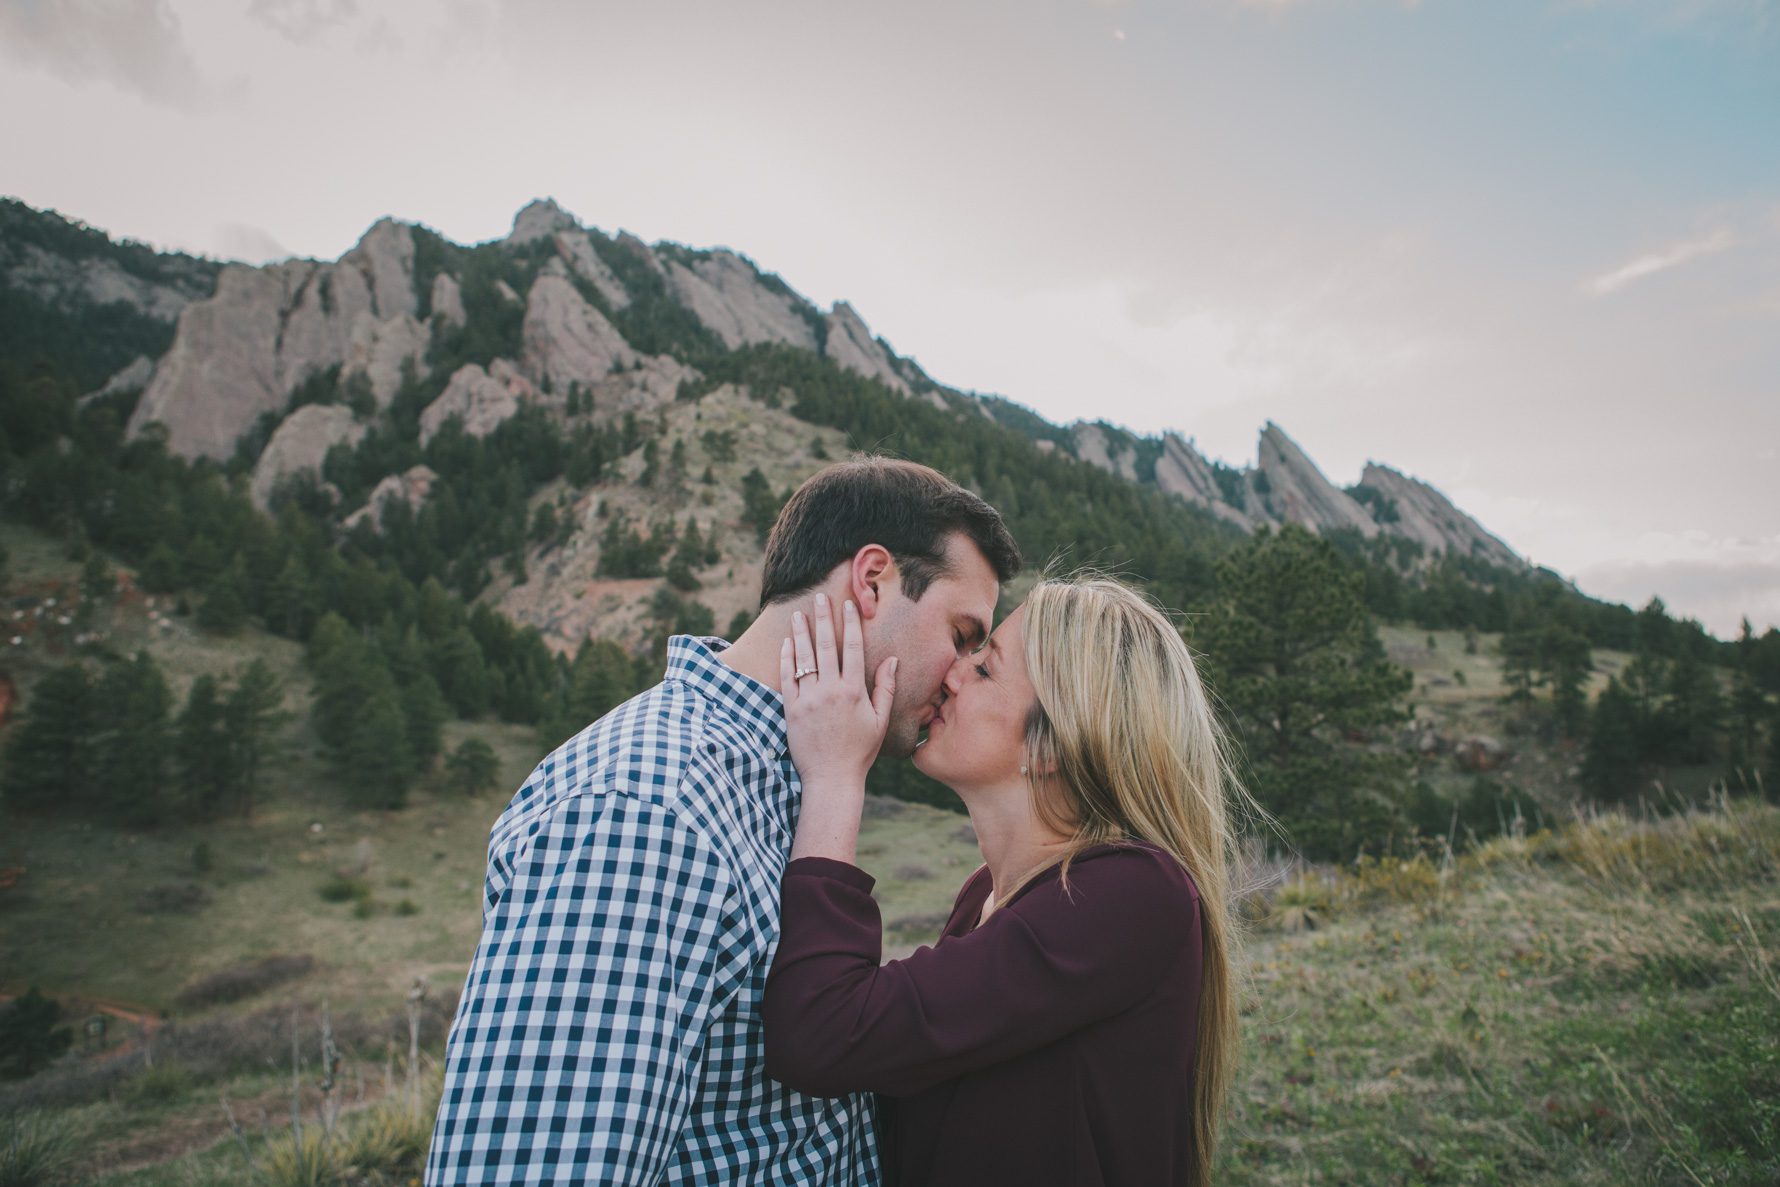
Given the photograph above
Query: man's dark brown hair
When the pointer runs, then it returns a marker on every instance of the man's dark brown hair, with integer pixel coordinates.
(909, 509)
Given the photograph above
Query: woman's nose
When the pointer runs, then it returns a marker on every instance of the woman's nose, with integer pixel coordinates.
(955, 676)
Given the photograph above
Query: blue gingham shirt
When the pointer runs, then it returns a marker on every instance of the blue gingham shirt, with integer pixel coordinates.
(609, 1030)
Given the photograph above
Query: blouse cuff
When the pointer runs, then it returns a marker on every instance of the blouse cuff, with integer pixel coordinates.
(828, 867)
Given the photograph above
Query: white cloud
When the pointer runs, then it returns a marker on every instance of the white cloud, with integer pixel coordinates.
(302, 21)
(1661, 260)
(135, 46)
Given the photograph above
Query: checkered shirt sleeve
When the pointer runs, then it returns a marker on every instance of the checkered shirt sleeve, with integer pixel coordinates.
(608, 1031)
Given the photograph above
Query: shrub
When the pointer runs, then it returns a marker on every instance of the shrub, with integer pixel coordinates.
(341, 889)
(165, 1081)
(244, 980)
(35, 1149)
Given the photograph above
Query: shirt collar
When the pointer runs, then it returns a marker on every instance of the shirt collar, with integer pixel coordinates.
(760, 710)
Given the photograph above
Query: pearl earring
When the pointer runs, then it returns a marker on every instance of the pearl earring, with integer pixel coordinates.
(1022, 769)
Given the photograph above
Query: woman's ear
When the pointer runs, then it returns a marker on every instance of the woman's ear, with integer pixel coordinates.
(872, 566)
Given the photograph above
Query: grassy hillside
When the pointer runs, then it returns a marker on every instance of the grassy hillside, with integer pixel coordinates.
(1595, 1005)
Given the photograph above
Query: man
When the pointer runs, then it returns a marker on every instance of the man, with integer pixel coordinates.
(609, 1028)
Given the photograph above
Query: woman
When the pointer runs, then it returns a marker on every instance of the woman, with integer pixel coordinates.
(1075, 1022)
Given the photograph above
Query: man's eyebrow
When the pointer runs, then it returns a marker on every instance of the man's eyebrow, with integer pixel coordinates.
(977, 632)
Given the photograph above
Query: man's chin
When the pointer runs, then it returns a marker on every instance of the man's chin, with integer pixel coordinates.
(900, 742)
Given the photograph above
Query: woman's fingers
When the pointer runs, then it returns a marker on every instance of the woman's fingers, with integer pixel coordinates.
(827, 662)
(800, 640)
(852, 643)
(788, 670)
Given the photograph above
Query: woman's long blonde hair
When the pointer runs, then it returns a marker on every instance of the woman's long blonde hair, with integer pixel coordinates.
(1129, 749)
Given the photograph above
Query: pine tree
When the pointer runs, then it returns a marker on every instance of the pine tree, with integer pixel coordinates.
(1566, 663)
(1296, 660)
(134, 744)
(224, 609)
(472, 767)
(201, 748)
(1610, 763)
(375, 762)
(253, 714)
(1748, 708)
(1695, 707)
(424, 711)
(48, 758)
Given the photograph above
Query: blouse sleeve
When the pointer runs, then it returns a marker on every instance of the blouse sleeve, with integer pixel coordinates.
(1049, 963)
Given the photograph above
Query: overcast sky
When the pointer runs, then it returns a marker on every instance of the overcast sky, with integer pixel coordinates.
(1526, 250)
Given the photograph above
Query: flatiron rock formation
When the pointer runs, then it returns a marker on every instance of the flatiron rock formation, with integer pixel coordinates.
(1408, 507)
(727, 295)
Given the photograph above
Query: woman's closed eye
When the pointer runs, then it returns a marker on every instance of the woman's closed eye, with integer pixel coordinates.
(981, 670)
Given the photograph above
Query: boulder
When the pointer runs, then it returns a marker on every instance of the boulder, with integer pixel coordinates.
(481, 399)
(725, 293)
(1479, 754)
(850, 344)
(414, 487)
(566, 340)
(302, 443)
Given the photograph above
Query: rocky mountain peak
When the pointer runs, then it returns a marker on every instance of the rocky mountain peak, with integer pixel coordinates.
(851, 344)
(540, 217)
(1296, 491)
(1408, 507)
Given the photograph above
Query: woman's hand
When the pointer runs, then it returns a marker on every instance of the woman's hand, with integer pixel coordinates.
(834, 725)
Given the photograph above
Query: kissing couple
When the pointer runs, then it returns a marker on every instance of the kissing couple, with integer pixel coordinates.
(680, 976)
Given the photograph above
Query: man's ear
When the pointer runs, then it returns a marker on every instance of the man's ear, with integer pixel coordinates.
(872, 566)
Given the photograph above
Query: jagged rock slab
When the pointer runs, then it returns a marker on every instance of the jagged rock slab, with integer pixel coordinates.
(1298, 492)
(1183, 471)
(382, 350)
(645, 388)
(1429, 518)
(723, 291)
(447, 302)
(850, 344)
(133, 376)
(566, 339)
(302, 443)
(481, 399)
(413, 486)
(575, 248)
(1094, 445)
(238, 354)
(57, 280)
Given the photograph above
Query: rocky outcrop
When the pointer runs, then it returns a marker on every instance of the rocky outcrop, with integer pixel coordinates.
(566, 339)
(447, 301)
(1094, 445)
(302, 443)
(382, 351)
(850, 344)
(653, 383)
(642, 251)
(132, 377)
(95, 280)
(575, 249)
(238, 354)
(413, 486)
(481, 399)
(1404, 506)
(1293, 490)
(541, 217)
(1183, 471)
(725, 293)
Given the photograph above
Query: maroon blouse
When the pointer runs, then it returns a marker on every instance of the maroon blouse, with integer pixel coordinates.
(1052, 1045)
